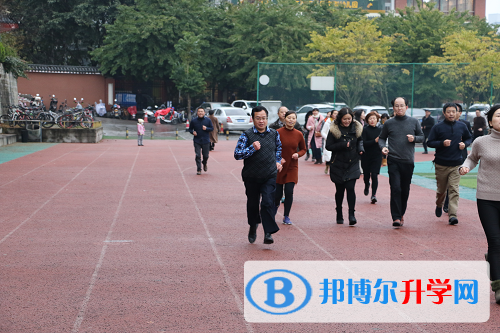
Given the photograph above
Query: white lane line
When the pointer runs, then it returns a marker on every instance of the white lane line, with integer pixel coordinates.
(227, 278)
(93, 279)
(27, 173)
(48, 200)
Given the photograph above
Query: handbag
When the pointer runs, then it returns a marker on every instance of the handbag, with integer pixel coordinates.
(316, 133)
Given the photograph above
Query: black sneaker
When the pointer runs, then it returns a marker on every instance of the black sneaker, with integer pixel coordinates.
(439, 211)
(205, 167)
(453, 220)
(445, 209)
(374, 199)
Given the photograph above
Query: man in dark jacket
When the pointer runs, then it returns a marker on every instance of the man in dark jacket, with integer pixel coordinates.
(260, 149)
(427, 124)
(479, 125)
(200, 128)
(450, 138)
(464, 152)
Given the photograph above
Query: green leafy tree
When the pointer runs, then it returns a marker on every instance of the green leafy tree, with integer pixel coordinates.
(187, 64)
(359, 42)
(141, 42)
(473, 63)
(266, 32)
(61, 32)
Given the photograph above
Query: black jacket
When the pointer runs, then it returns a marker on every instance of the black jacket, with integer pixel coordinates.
(345, 160)
(455, 131)
(428, 123)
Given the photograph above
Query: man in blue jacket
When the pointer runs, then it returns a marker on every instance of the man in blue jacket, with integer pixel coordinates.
(450, 137)
(200, 127)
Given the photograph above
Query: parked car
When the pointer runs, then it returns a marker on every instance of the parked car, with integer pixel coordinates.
(207, 106)
(303, 110)
(471, 112)
(380, 109)
(247, 105)
(233, 119)
(337, 106)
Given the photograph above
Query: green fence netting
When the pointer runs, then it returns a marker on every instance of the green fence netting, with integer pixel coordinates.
(424, 85)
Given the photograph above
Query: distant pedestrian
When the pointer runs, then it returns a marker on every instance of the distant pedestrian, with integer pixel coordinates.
(327, 155)
(293, 147)
(372, 157)
(427, 123)
(479, 126)
(383, 118)
(214, 135)
(397, 140)
(315, 139)
(486, 149)
(360, 116)
(306, 135)
(260, 148)
(345, 142)
(450, 138)
(140, 131)
(200, 126)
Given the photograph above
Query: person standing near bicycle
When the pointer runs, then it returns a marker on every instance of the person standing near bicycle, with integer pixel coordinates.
(140, 132)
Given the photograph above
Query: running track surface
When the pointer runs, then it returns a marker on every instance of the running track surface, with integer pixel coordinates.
(112, 237)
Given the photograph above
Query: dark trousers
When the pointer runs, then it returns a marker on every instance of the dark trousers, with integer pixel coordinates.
(374, 177)
(306, 136)
(348, 187)
(489, 214)
(316, 152)
(200, 149)
(288, 187)
(260, 204)
(426, 135)
(400, 180)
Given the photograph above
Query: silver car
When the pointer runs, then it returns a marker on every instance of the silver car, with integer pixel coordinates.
(207, 106)
(301, 113)
(233, 119)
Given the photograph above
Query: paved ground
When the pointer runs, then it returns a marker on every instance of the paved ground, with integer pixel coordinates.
(112, 237)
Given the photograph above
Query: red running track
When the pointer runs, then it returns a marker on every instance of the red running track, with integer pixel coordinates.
(112, 237)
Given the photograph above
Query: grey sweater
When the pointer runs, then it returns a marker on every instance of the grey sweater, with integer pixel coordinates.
(394, 137)
(487, 149)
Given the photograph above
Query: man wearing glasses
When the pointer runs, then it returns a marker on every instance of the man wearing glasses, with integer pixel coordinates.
(260, 149)
(397, 140)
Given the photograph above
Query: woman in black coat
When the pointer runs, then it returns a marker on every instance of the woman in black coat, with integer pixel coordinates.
(345, 142)
(372, 158)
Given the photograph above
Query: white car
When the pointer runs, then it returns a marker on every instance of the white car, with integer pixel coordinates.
(378, 108)
(247, 105)
(233, 119)
(301, 113)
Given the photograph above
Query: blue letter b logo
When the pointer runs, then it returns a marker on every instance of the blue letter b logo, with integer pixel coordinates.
(285, 291)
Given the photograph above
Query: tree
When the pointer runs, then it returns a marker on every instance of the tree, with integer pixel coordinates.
(186, 64)
(473, 62)
(61, 32)
(266, 32)
(141, 42)
(359, 42)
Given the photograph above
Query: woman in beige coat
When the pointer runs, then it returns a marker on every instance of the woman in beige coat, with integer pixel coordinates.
(214, 135)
